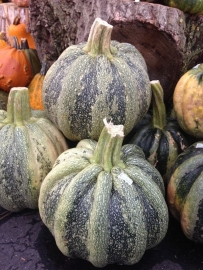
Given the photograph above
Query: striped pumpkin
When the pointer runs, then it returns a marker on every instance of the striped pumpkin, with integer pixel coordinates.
(161, 139)
(188, 101)
(185, 191)
(97, 79)
(29, 148)
(104, 203)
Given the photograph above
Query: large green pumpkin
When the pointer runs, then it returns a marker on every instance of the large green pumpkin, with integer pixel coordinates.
(29, 147)
(189, 6)
(104, 203)
(160, 137)
(185, 191)
(97, 79)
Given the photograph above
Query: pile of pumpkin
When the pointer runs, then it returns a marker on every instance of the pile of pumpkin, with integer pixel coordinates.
(103, 199)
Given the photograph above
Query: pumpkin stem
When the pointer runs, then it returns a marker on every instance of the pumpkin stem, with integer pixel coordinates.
(18, 108)
(108, 149)
(159, 109)
(16, 20)
(99, 39)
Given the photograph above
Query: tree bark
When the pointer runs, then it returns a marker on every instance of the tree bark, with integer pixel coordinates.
(169, 40)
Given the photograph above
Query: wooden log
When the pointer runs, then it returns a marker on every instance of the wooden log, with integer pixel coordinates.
(169, 40)
(8, 11)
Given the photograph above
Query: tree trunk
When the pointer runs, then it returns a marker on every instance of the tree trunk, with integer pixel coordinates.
(169, 40)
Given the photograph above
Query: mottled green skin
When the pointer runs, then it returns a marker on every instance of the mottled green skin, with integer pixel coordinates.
(28, 152)
(99, 216)
(39, 113)
(185, 191)
(161, 146)
(80, 90)
(189, 6)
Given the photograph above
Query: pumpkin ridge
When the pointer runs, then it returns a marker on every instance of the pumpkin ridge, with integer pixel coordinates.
(145, 184)
(97, 240)
(82, 180)
(10, 199)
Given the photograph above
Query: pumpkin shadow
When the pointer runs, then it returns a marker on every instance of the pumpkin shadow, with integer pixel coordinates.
(175, 252)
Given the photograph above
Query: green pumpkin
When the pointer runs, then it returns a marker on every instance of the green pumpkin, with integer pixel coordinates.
(93, 80)
(185, 191)
(32, 56)
(103, 202)
(161, 139)
(188, 6)
(29, 148)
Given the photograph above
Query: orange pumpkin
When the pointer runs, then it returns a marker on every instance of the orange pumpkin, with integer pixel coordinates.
(35, 89)
(15, 68)
(18, 30)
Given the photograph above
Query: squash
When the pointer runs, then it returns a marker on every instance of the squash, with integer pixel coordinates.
(188, 101)
(161, 138)
(185, 191)
(103, 202)
(29, 148)
(188, 6)
(32, 56)
(15, 68)
(35, 92)
(18, 29)
(93, 80)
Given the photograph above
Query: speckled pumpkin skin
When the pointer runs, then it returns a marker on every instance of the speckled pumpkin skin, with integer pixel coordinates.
(185, 191)
(29, 148)
(104, 217)
(80, 90)
(189, 6)
(188, 101)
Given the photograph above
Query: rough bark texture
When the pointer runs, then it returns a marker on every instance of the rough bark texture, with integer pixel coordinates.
(169, 40)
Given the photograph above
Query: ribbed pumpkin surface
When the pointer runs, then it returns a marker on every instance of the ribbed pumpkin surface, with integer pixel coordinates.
(189, 6)
(29, 148)
(94, 80)
(185, 191)
(103, 208)
(188, 101)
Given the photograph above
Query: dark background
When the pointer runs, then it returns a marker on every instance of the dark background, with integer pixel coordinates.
(26, 244)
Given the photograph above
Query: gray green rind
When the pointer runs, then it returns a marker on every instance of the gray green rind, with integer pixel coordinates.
(79, 90)
(29, 148)
(104, 217)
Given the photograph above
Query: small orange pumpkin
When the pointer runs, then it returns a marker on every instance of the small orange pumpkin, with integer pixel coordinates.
(15, 68)
(18, 30)
(35, 89)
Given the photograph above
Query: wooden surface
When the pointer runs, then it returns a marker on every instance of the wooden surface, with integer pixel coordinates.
(169, 40)
(8, 11)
